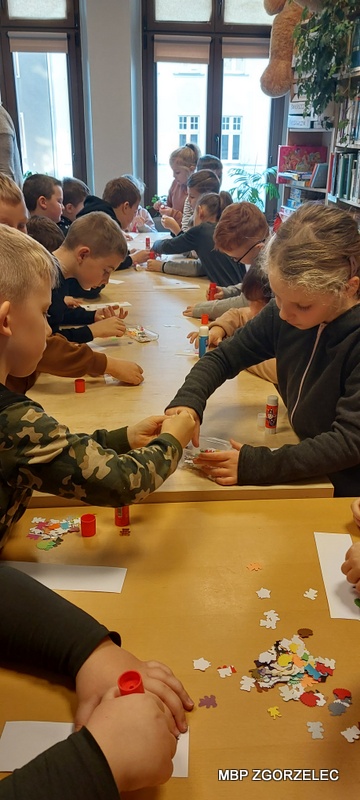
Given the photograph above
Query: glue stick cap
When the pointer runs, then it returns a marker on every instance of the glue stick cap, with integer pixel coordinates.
(272, 400)
(130, 682)
(204, 319)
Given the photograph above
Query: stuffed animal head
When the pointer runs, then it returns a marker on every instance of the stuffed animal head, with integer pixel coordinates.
(277, 78)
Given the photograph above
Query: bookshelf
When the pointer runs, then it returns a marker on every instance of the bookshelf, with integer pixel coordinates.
(344, 169)
(319, 142)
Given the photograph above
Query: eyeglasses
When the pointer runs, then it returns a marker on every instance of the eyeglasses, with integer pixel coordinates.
(240, 260)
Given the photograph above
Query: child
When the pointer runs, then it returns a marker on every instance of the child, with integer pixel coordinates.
(256, 290)
(182, 162)
(120, 201)
(74, 194)
(44, 196)
(241, 225)
(12, 205)
(313, 329)
(143, 221)
(90, 253)
(71, 644)
(201, 182)
(38, 452)
(45, 231)
(217, 266)
(204, 162)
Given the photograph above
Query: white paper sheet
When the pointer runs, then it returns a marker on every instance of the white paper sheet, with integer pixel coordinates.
(181, 757)
(112, 341)
(178, 285)
(115, 280)
(96, 306)
(72, 577)
(331, 549)
(22, 741)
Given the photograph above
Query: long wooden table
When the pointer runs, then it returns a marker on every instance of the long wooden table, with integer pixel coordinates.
(188, 594)
(231, 411)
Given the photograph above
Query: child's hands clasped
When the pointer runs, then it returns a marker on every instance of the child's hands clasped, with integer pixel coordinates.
(125, 371)
(181, 425)
(140, 434)
(351, 566)
(221, 466)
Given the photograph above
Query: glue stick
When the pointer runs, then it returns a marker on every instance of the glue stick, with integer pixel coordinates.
(211, 291)
(203, 335)
(271, 413)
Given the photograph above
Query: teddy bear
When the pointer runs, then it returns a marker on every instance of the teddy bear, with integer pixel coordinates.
(277, 78)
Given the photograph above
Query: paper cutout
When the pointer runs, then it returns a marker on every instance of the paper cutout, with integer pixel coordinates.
(308, 699)
(201, 663)
(305, 632)
(263, 593)
(181, 757)
(208, 701)
(337, 708)
(226, 671)
(316, 729)
(73, 577)
(22, 741)
(311, 594)
(274, 712)
(331, 548)
(351, 734)
(246, 683)
(254, 566)
(320, 699)
(271, 619)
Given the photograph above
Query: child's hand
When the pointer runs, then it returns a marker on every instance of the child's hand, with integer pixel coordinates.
(135, 736)
(170, 224)
(216, 335)
(113, 326)
(222, 466)
(172, 412)
(181, 425)
(351, 566)
(193, 337)
(140, 256)
(355, 508)
(165, 210)
(140, 434)
(218, 295)
(157, 205)
(125, 371)
(109, 311)
(71, 302)
(153, 265)
(188, 311)
(101, 670)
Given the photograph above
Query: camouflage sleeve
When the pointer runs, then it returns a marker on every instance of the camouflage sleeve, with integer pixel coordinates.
(39, 453)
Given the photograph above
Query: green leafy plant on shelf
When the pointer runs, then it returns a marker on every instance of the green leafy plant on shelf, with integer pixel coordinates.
(252, 186)
(323, 53)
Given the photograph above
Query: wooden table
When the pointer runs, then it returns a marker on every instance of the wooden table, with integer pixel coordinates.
(188, 594)
(231, 411)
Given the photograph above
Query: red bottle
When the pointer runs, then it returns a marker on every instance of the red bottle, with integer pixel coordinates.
(122, 516)
(147, 243)
(211, 291)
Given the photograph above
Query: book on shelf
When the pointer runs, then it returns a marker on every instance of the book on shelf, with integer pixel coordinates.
(298, 158)
(344, 177)
(293, 175)
(319, 176)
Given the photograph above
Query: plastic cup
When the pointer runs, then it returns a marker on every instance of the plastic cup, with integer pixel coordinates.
(79, 385)
(88, 525)
(130, 683)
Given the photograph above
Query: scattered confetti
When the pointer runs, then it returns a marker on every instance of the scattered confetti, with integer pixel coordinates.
(226, 670)
(48, 533)
(247, 683)
(254, 566)
(305, 632)
(316, 729)
(274, 712)
(201, 663)
(337, 709)
(124, 532)
(308, 699)
(271, 618)
(311, 594)
(342, 694)
(263, 593)
(209, 701)
(350, 734)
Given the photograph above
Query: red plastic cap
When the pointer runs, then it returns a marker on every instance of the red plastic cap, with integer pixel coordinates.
(204, 319)
(130, 683)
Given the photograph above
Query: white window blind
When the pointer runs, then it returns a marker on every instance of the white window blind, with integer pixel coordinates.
(184, 11)
(37, 42)
(245, 48)
(182, 49)
(246, 12)
(37, 9)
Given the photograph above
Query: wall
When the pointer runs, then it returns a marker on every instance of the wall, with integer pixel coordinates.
(111, 55)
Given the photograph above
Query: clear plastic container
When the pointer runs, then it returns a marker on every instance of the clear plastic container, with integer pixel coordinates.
(208, 444)
(141, 334)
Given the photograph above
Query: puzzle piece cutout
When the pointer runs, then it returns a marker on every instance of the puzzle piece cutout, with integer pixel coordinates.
(247, 683)
(274, 712)
(263, 593)
(311, 594)
(201, 663)
(208, 701)
(351, 734)
(254, 566)
(271, 619)
(316, 729)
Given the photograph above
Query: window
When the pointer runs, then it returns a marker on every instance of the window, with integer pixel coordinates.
(41, 84)
(208, 58)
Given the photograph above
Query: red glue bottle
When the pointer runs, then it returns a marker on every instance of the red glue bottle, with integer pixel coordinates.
(122, 516)
(271, 413)
(147, 243)
(211, 291)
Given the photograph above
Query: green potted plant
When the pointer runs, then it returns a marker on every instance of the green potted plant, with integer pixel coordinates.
(323, 57)
(252, 186)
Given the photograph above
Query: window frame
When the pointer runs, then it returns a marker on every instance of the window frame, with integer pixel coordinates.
(70, 26)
